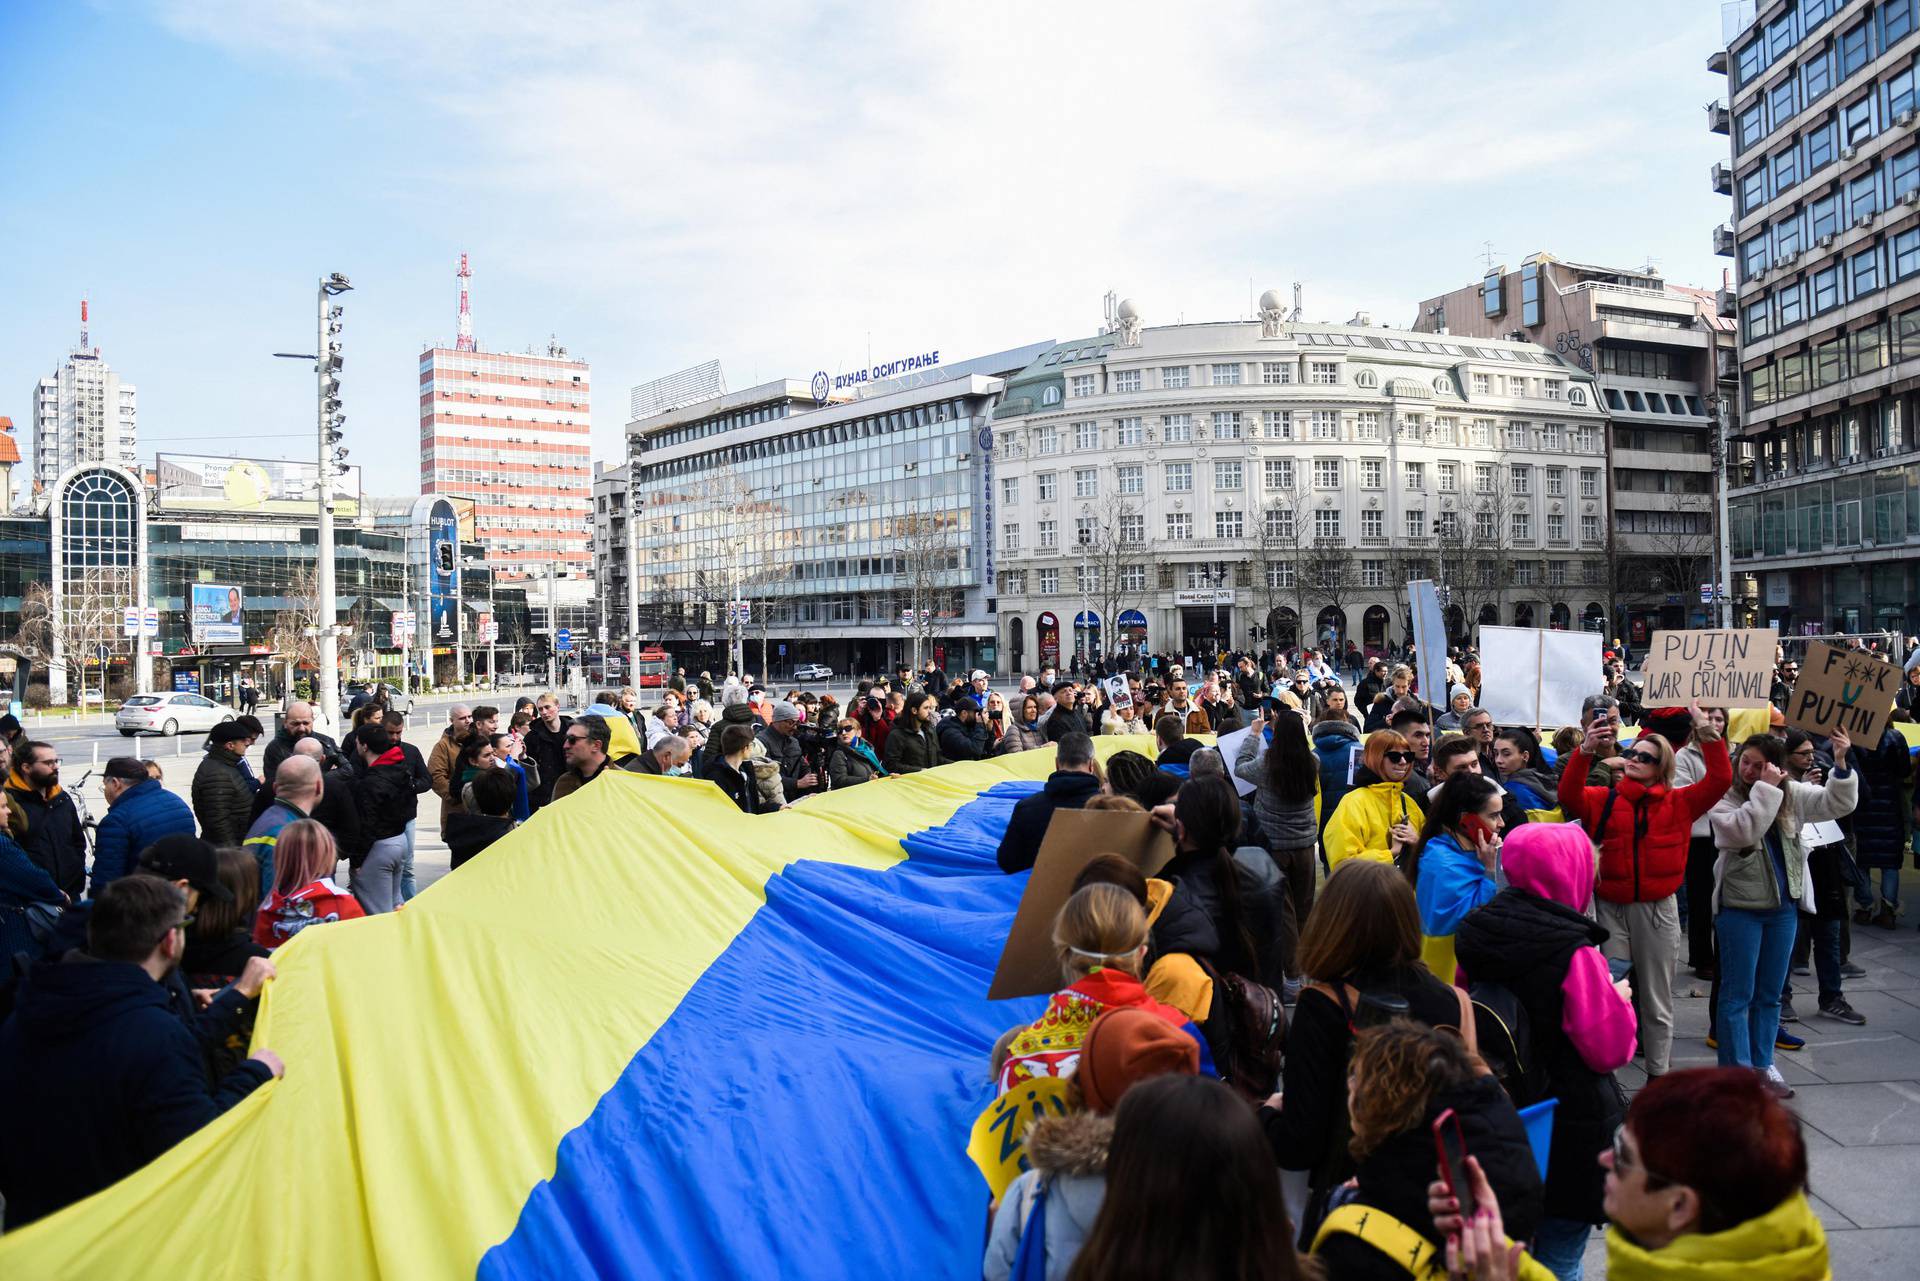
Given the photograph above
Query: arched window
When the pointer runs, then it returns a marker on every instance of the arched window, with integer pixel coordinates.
(1366, 378)
(96, 568)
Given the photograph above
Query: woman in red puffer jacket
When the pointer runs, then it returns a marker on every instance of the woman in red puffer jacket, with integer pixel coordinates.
(1642, 825)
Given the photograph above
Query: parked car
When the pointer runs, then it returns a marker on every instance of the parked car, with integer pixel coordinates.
(168, 714)
(813, 672)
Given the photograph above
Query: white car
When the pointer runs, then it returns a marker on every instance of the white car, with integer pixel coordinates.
(813, 672)
(168, 714)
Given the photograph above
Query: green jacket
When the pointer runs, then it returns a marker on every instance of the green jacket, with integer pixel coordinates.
(1744, 876)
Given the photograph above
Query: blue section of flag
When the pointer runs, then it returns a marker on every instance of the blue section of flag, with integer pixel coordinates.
(804, 1111)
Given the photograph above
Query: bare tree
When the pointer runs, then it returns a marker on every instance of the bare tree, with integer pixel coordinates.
(927, 562)
(1676, 557)
(1116, 556)
(1281, 538)
(1331, 576)
(294, 636)
(66, 628)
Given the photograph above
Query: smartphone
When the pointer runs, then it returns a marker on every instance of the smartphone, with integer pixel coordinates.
(1450, 1145)
(1476, 828)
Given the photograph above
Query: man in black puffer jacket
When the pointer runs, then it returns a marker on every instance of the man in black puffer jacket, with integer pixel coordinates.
(1071, 785)
(963, 735)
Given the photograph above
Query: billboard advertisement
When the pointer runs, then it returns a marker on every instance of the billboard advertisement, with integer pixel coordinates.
(217, 611)
(248, 486)
(443, 577)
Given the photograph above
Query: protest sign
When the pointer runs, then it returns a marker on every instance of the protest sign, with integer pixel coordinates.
(1074, 838)
(1814, 835)
(1118, 695)
(1229, 746)
(1536, 677)
(998, 1143)
(1717, 667)
(1842, 689)
(1429, 641)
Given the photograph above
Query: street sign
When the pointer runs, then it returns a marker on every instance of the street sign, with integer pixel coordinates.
(783, 649)
(150, 620)
(130, 621)
(600, 633)
(563, 640)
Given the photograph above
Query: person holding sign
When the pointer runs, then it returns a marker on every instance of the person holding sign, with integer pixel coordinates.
(1642, 824)
(1759, 883)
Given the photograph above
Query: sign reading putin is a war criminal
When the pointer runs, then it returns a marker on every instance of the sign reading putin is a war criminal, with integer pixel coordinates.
(1842, 689)
(1716, 667)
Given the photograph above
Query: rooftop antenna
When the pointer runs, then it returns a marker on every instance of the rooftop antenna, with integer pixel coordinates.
(1299, 312)
(1110, 308)
(465, 340)
(1651, 266)
(1487, 255)
(83, 323)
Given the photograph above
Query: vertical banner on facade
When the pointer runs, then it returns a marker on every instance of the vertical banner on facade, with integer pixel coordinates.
(1429, 641)
(443, 576)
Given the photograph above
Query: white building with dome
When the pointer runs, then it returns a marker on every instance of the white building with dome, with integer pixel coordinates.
(1199, 487)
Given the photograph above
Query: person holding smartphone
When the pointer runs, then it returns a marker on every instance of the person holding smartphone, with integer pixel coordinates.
(1456, 866)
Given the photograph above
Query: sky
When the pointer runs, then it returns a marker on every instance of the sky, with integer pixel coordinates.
(788, 187)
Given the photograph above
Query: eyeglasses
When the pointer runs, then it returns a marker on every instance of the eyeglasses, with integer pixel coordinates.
(1645, 758)
(1399, 758)
(1622, 1163)
(576, 738)
(183, 922)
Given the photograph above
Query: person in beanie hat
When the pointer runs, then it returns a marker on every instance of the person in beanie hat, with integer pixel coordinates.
(798, 777)
(181, 857)
(1675, 724)
(964, 736)
(1068, 1153)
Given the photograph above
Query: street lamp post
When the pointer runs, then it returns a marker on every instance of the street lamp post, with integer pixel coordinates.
(1083, 631)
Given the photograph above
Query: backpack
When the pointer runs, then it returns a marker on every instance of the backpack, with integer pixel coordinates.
(1506, 1042)
(1246, 1030)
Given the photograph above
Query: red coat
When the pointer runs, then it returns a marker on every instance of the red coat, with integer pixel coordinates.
(1643, 852)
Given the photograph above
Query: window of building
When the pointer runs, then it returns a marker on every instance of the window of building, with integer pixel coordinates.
(1086, 529)
(1751, 126)
(1490, 299)
(1373, 573)
(1372, 523)
(1277, 373)
(1326, 473)
(1522, 527)
(1523, 573)
(1050, 582)
(1906, 253)
(1179, 526)
(1279, 473)
(1010, 535)
(1520, 477)
(1530, 295)
(1416, 475)
(1816, 77)
(1483, 478)
(1789, 303)
(1483, 526)
(1049, 534)
(1044, 484)
(1131, 478)
(1010, 491)
(1556, 482)
(1179, 478)
(1449, 474)
(1226, 473)
(1556, 528)
(1086, 482)
(1325, 424)
(1853, 49)
(1863, 272)
(1279, 573)
(1366, 425)
(1324, 373)
(1514, 435)
(1896, 21)
(1552, 388)
(1589, 529)
(1780, 100)
(1228, 525)
(1481, 433)
(1086, 436)
(1177, 429)
(1173, 377)
(1589, 482)
(1370, 473)
(1133, 578)
(1856, 122)
(1081, 385)
(1482, 384)
(1126, 380)
(1277, 424)
(1013, 582)
(1822, 139)
(1326, 523)
(1753, 190)
(1415, 519)
(1049, 440)
(1826, 289)
(1823, 216)
(1126, 431)
(1226, 426)
(1133, 528)
(1226, 375)
(1863, 196)
(1086, 578)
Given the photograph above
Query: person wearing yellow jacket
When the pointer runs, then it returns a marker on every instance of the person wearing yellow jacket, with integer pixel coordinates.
(1376, 819)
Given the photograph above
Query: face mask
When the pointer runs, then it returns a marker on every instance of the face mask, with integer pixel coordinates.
(682, 769)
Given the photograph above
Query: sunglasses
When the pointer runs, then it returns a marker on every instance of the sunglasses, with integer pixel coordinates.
(576, 738)
(1399, 758)
(1645, 758)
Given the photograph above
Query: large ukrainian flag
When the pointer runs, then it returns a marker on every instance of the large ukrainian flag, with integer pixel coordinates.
(645, 1035)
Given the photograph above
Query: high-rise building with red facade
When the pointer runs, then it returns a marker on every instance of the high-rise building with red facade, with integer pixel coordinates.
(513, 433)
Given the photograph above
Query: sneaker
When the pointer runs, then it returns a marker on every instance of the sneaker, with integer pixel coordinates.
(1848, 970)
(1801, 970)
(1787, 1013)
(1785, 1040)
(1777, 1084)
(1842, 1012)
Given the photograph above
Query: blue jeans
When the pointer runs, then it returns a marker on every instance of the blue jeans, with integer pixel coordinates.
(1559, 1245)
(407, 886)
(1889, 887)
(1756, 947)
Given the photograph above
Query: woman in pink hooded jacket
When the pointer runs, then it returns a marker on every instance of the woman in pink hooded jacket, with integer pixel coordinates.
(1533, 939)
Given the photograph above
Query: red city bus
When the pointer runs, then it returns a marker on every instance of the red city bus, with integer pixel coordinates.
(651, 668)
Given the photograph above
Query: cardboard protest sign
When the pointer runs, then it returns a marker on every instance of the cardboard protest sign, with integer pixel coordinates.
(1229, 746)
(1537, 677)
(1841, 689)
(998, 1143)
(1074, 838)
(1719, 667)
(1119, 697)
(1814, 835)
(1429, 640)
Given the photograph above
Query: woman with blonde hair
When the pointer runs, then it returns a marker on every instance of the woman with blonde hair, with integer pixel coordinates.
(1100, 938)
(1376, 819)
